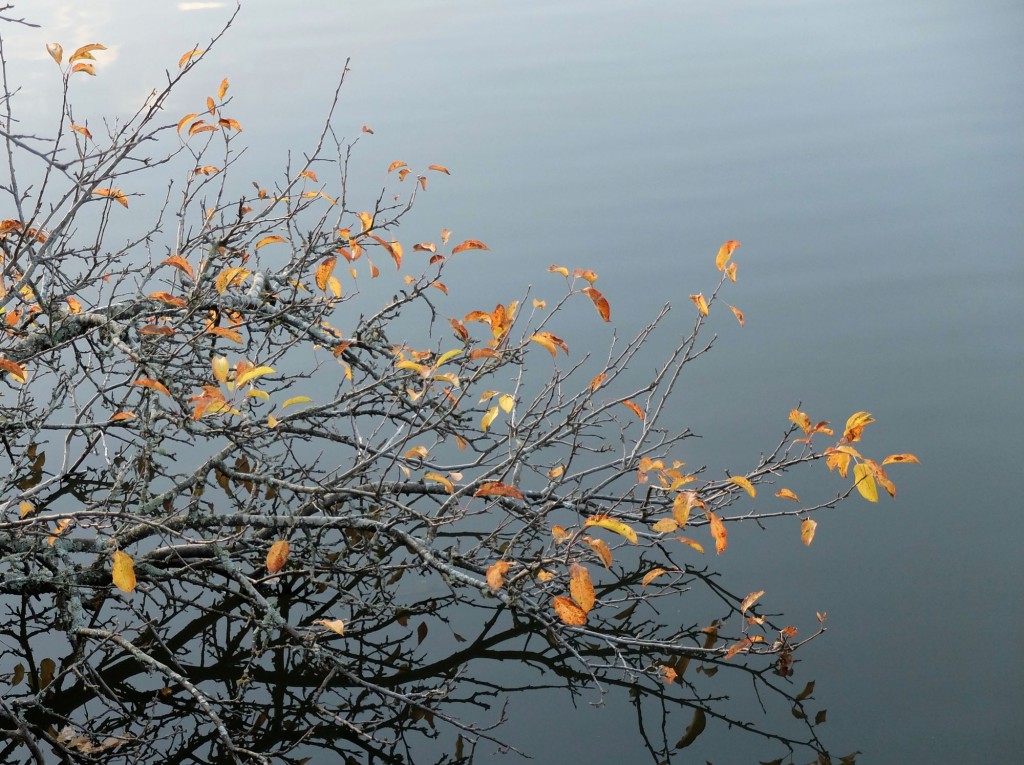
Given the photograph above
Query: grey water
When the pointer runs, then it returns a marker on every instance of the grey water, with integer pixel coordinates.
(870, 157)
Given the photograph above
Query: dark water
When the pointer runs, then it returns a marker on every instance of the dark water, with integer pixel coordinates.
(870, 157)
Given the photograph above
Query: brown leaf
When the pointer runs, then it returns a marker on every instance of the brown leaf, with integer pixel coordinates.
(470, 244)
(569, 612)
(603, 309)
(635, 409)
(497, 489)
(496, 574)
(738, 314)
(750, 600)
(439, 169)
(787, 494)
(277, 556)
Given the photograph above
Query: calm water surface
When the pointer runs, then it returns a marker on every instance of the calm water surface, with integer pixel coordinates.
(870, 157)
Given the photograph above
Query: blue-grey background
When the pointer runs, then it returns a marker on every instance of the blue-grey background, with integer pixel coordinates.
(869, 155)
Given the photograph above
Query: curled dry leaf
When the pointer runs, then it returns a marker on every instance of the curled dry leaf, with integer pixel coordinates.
(145, 382)
(724, 253)
(651, 575)
(787, 494)
(496, 574)
(750, 600)
(700, 302)
(807, 529)
(272, 239)
(718, 531)
(600, 547)
(634, 409)
(439, 169)
(897, 458)
(600, 303)
(855, 426)
(738, 314)
(56, 52)
(277, 556)
(336, 626)
(470, 244)
(498, 489)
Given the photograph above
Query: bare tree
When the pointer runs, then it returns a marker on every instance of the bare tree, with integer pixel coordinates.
(251, 513)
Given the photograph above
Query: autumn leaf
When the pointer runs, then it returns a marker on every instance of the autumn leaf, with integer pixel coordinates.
(488, 418)
(438, 478)
(89, 69)
(146, 382)
(439, 169)
(496, 574)
(15, 370)
(694, 729)
(180, 263)
(189, 55)
(600, 547)
(581, 588)
(277, 556)
(807, 529)
(800, 419)
(551, 342)
(607, 522)
(738, 314)
(272, 239)
(855, 426)
(417, 453)
(865, 482)
(56, 51)
(651, 575)
(569, 612)
(559, 270)
(750, 600)
(324, 271)
(634, 409)
(470, 244)
(718, 532)
(82, 130)
(498, 489)
(745, 484)
(597, 382)
(336, 626)
(116, 194)
(603, 309)
(124, 571)
(700, 302)
(665, 526)
(898, 458)
(724, 253)
(251, 374)
(787, 494)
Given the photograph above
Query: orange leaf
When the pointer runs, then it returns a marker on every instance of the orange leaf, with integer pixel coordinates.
(600, 547)
(600, 303)
(223, 88)
(738, 314)
(146, 382)
(366, 220)
(735, 648)
(581, 587)
(691, 543)
(470, 244)
(569, 612)
(807, 529)
(272, 239)
(277, 556)
(855, 426)
(584, 273)
(731, 272)
(124, 571)
(718, 532)
(559, 270)
(367, 129)
(228, 122)
(496, 574)
(169, 299)
(199, 127)
(750, 600)
(801, 420)
(120, 416)
(651, 575)
(700, 302)
(439, 168)
(596, 382)
(724, 253)
(635, 409)
(17, 371)
(787, 494)
(180, 263)
(81, 130)
(395, 165)
(549, 341)
(188, 56)
(156, 329)
(498, 489)
(116, 194)
(87, 68)
(187, 118)
(901, 458)
(324, 271)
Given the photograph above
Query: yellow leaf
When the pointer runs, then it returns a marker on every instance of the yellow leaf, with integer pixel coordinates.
(116, 194)
(447, 356)
(865, 482)
(787, 494)
(584, 273)
(683, 503)
(496, 574)
(745, 484)
(272, 239)
(559, 534)
(324, 271)
(438, 478)
(855, 426)
(272, 421)
(296, 400)
(334, 625)
(545, 575)
(750, 600)
(252, 374)
(700, 302)
(597, 382)
(600, 547)
(366, 220)
(549, 341)
(569, 612)
(800, 419)
(506, 402)
(146, 382)
(262, 395)
(25, 508)
(188, 56)
(651, 575)
(581, 587)
(559, 270)
(901, 458)
(488, 418)
(718, 532)
(277, 556)
(223, 88)
(124, 571)
(185, 120)
(600, 303)
(691, 543)
(807, 528)
(665, 526)
(62, 527)
(556, 472)
(607, 522)
(724, 253)
(731, 272)
(416, 452)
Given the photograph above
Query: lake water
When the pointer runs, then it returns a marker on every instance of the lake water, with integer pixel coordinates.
(870, 157)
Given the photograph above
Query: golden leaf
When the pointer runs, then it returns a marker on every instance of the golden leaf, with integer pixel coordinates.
(187, 118)
(724, 253)
(718, 532)
(366, 220)
(296, 400)
(556, 472)
(651, 575)
(496, 574)
(62, 527)
(559, 270)
(199, 126)
(800, 419)
(488, 418)
(584, 273)
(252, 374)
(807, 529)
(855, 426)
(438, 478)
(607, 522)
(738, 314)
(116, 194)
(787, 494)
(603, 309)
(597, 381)
(600, 547)
(169, 299)
(700, 302)
(581, 587)
(750, 600)
(559, 534)
(180, 263)
(395, 165)
(549, 341)
(901, 458)
(121, 416)
(439, 169)
(124, 571)
(228, 122)
(865, 482)
(188, 56)
(416, 452)
(692, 543)
(634, 409)
(87, 68)
(81, 130)
(220, 367)
(682, 504)
(745, 484)
(146, 382)
(336, 626)
(324, 271)
(272, 239)
(731, 272)
(470, 244)
(25, 508)
(498, 489)
(665, 526)
(223, 88)
(507, 403)
(545, 576)
(569, 612)
(277, 556)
